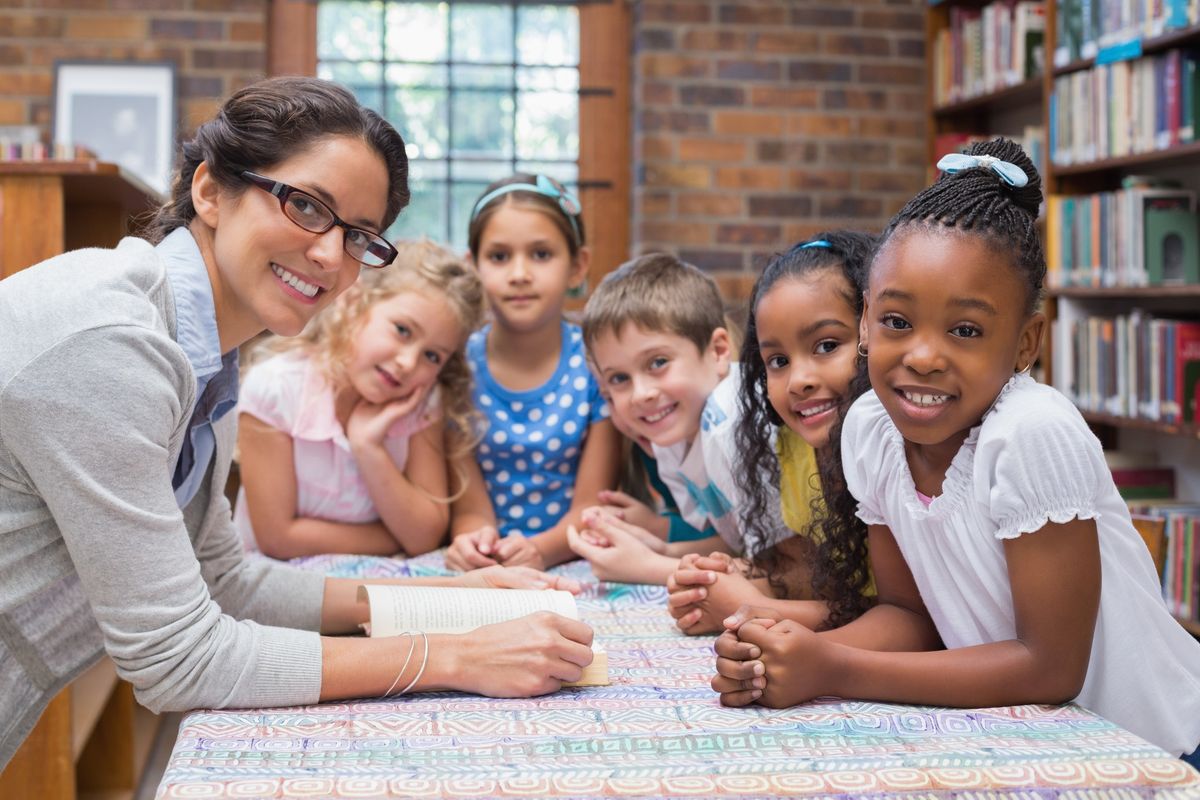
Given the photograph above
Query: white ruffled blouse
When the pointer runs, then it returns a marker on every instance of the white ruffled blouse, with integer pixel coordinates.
(1032, 460)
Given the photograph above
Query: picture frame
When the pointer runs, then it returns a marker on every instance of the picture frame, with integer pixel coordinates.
(124, 112)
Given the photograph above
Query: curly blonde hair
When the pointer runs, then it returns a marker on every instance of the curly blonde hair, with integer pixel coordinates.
(421, 266)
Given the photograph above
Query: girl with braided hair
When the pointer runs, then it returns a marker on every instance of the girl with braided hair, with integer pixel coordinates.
(993, 522)
(798, 361)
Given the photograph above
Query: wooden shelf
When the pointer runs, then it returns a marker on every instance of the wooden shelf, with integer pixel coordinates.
(1125, 292)
(1026, 93)
(1151, 158)
(1190, 626)
(1098, 418)
(1183, 37)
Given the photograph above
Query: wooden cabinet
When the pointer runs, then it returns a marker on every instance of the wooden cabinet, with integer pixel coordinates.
(93, 737)
(49, 207)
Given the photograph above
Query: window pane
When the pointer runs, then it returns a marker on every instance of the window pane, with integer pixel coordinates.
(482, 33)
(365, 80)
(418, 109)
(416, 31)
(482, 125)
(483, 77)
(548, 35)
(426, 212)
(543, 79)
(547, 125)
(350, 29)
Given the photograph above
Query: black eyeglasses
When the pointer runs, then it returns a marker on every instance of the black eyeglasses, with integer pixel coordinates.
(312, 215)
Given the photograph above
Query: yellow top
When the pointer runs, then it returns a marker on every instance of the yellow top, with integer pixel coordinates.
(800, 486)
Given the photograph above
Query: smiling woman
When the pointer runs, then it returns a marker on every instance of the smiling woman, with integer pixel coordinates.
(118, 371)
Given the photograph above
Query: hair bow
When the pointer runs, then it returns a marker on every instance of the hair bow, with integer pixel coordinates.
(816, 243)
(1009, 173)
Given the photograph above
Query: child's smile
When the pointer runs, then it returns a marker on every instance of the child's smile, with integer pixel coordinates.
(807, 334)
(946, 329)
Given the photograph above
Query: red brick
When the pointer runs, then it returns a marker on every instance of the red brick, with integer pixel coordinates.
(229, 59)
(750, 177)
(709, 204)
(688, 176)
(819, 71)
(714, 260)
(247, 6)
(657, 93)
(12, 112)
(110, 27)
(749, 70)
(693, 149)
(811, 178)
(860, 99)
(851, 206)
(892, 20)
(904, 182)
(36, 26)
(677, 121)
(664, 65)
(823, 17)
(789, 205)
(746, 233)
(769, 151)
(655, 39)
(683, 11)
(790, 42)
(242, 31)
(654, 204)
(821, 125)
(856, 44)
(711, 96)
(676, 233)
(657, 146)
(911, 48)
(708, 39)
(891, 74)
(783, 97)
(148, 5)
(741, 14)
(746, 122)
(26, 83)
(12, 55)
(188, 29)
(871, 127)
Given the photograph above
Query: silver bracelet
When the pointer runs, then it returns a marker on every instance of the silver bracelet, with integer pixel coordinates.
(412, 646)
(421, 671)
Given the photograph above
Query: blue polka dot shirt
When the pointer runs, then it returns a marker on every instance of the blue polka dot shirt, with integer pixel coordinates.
(530, 451)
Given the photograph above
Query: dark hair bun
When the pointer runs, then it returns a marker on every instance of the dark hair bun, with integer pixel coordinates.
(1027, 197)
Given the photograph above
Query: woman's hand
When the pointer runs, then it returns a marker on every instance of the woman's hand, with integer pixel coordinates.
(778, 666)
(473, 549)
(616, 554)
(598, 521)
(524, 657)
(369, 422)
(519, 578)
(700, 600)
(634, 511)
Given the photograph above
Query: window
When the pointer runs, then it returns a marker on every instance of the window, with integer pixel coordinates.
(478, 90)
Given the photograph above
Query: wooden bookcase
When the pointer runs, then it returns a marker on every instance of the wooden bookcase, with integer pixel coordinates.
(997, 113)
(93, 738)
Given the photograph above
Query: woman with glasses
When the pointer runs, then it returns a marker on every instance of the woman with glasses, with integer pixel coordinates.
(117, 373)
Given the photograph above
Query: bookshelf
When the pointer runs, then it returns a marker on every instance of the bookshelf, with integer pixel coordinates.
(1010, 111)
(93, 738)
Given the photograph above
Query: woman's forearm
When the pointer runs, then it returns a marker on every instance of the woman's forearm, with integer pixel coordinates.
(307, 536)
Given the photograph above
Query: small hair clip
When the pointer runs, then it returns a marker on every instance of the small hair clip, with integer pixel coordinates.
(1009, 173)
(816, 243)
(543, 185)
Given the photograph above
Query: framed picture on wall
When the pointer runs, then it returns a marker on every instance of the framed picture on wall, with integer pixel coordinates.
(123, 112)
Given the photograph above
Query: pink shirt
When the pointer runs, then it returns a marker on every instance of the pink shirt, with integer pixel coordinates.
(289, 392)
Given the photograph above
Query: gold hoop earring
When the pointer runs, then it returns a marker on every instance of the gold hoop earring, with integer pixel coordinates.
(1025, 370)
(862, 349)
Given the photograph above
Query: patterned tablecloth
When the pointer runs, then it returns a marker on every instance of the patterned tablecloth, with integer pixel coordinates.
(657, 731)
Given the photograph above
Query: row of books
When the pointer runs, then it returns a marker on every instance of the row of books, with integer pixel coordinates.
(1129, 107)
(1180, 582)
(1144, 234)
(24, 143)
(987, 49)
(1130, 365)
(1032, 140)
(1089, 28)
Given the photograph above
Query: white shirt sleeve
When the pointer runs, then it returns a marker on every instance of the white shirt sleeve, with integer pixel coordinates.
(1038, 463)
(864, 433)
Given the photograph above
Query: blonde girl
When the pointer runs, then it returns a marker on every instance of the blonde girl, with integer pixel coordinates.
(342, 429)
(548, 448)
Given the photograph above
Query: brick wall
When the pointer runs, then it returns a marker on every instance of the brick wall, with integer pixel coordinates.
(217, 46)
(760, 122)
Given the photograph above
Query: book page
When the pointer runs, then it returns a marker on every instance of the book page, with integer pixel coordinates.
(438, 609)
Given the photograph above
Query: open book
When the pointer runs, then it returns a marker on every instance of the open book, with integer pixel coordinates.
(447, 609)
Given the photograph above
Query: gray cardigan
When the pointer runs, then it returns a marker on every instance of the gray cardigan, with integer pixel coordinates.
(95, 554)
